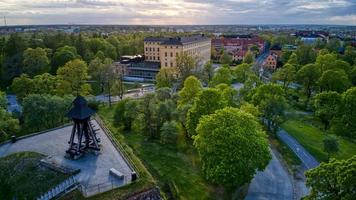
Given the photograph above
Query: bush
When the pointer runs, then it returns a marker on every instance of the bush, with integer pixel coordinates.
(169, 132)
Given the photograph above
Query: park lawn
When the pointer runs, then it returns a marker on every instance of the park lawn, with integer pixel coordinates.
(177, 172)
(21, 176)
(312, 137)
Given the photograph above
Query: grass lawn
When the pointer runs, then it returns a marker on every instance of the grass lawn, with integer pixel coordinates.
(177, 172)
(312, 137)
(21, 176)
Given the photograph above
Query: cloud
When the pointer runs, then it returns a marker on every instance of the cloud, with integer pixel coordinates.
(179, 11)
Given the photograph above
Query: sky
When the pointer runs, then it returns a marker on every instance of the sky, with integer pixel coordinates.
(178, 12)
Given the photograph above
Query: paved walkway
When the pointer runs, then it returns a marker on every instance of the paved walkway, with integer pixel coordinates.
(274, 183)
(94, 168)
(307, 159)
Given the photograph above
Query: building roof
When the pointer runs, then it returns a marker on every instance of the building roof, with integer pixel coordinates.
(177, 40)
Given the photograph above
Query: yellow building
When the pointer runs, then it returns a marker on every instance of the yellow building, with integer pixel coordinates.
(166, 50)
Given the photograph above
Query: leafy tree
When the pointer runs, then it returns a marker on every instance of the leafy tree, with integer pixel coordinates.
(229, 94)
(232, 146)
(334, 80)
(192, 87)
(225, 58)
(207, 102)
(242, 72)
(165, 77)
(35, 61)
(350, 55)
(119, 113)
(249, 58)
(305, 54)
(169, 132)
(270, 100)
(208, 72)
(308, 76)
(223, 75)
(353, 76)
(3, 101)
(8, 125)
(293, 60)
(42, 112)
(185, 65)
(72, 78)
(286, 74)
(327, 105)
(63, 55)
(323, 61)
(22, 86)
(15, 44)
(44, 84)
(250, 108)
(331, 145)
(333, 180)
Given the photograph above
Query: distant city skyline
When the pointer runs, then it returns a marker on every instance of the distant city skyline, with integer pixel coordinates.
(178, 12)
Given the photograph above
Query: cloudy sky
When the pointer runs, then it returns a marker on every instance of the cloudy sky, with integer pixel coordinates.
(165, 12)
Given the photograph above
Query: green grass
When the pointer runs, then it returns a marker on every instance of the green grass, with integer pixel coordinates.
(288, 156)
(22, 177)
(311, 137)
(177, 172)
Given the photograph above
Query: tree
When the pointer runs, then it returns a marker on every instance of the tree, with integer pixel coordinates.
(192, 87)
(35, 61)
(334, 80)
(327, 106)
(353, 76)
(350, 55)
(248, 58)
(22, 86)
(232, 146)
(305, 54)
(119, 113)
(293, 60)
(8, 125)
(208, 72)
(270, 100)
(72, 78)
(42, 112)
(286, 74)
(333, 180)
(324, 61)
(62, 56)
(165, 77)
(16, 44)
(308, 76)
(44, 84)
(223, 75)
(3, 100)
(225, 58)
(230, 95)
(185, 65)
(242, 72)
(169, 132)
(331, 145)
(207, 102)
(250, 108)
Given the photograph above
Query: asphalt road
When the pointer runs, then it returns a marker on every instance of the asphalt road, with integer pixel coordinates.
(274, 183)
(307, 159)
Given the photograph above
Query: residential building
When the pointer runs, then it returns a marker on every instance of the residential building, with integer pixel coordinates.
(166, 50)
(270, 62)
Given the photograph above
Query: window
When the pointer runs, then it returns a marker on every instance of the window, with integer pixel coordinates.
(153, 49)
(165, 54)
(158, 58)
(171, 64)
(150, 49)
(154, 57)
(165, 64)
(171, 54)
(150, 57)
(158, 49)
(146, 49)
(177, 54)
(171, 47)
(177, 47)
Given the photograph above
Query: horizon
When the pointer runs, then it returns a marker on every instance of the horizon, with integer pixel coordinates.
(180, 12)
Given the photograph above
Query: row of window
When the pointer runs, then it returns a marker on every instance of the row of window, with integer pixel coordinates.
(171, 54)
(151, 49)
(152, 57)
(166, 64)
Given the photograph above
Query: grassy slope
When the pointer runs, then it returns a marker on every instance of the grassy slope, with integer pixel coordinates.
(168, 165)
(311, 138)
(21, 176)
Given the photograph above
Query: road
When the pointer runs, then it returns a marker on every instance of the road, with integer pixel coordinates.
(274, 183)
(12, 104)
(132, 95)
(307, 159)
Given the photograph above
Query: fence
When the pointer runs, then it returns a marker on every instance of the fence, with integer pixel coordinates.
(118, 146)
(61, 188)
(90, 190)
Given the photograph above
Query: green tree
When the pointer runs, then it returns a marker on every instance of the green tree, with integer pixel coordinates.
(192, 87)
(169, 132)
(225, 58)
(35, 61)
(350, 55)
(8, 125)
(222, 75)
(286, 74)
(331, 145)
(230, 95)
(232, 147)
(3, 101)
(333, 180)
(62, 56)
(248, 58)
(16, 44)
(185, 65)
(308, 76)
(207, 102)
(23, 86)
(72, 78)
(208, 72)
(334, 80)
(305, 54)
(293, 60)
(165, 77)
(242, 72)
(327, 105)
(270, 100)
(353, 76)
(45, 84)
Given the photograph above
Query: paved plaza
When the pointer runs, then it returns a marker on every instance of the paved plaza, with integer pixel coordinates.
(94, 168)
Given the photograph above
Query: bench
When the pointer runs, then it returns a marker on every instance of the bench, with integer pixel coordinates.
(116, 173)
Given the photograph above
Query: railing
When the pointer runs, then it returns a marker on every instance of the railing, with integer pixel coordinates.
(118, 146)
(61, 188)
(90, 190)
